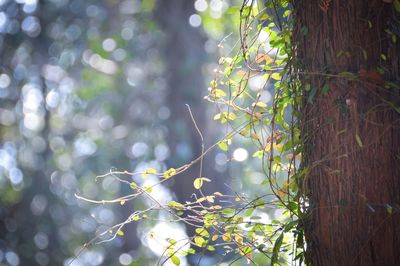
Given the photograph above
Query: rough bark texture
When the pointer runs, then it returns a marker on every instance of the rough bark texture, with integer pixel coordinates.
(352, 133)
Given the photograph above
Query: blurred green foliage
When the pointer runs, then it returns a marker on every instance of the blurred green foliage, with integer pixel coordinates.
(88, 87)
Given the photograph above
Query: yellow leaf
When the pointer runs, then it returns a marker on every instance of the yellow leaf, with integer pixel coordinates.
(201, 199)
(175, 260)
(359, 142)
(223, 146)
(210, 199)
(198, 183)
(389, 209)
(226, 237)
(217, 93)
(239, 239)
(254, 136)
(151, 171)
(231, 116)
(176, 205)
(277, 147)
(261, 104)
(199, 241)
(133, 185)
(276, 76)
(276, 167)
(170, 172)
(267, 147)
(217, 116)
(266, 76)
(147, 189)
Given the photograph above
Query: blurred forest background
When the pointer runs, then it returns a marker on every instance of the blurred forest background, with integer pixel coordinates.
(89, 86)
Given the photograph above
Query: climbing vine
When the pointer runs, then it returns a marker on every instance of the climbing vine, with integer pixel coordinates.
(232, 224)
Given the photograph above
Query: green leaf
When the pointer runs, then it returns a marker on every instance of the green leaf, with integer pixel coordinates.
(231, 116)
(249, 212)
(293, 206)
(325, 89)
(311, 95)
(232, 10)
(348, 75)
(199, 241)
(304, 30)
(191, 251)
(176, 205)
(172, 241)
(276, 249)
(246, 250)
(225, 116)
(290, 225)
(228, 211)
(133, 185)
(217, 93)
(202, 232)
(389, 209)
(287, 146)
(258, 154)
(246, 11)
(276, 76)
(120, 233)
(223, 146)
(396, 5)
(210, 248)
(175, 260)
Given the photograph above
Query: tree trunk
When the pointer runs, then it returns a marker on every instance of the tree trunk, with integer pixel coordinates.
(351, 131)
(184, 54)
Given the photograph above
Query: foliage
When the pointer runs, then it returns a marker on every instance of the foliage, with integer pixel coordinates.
(85, 86)
(236, 224)
(261, 65)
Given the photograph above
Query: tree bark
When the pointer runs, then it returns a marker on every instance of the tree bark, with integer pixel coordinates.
(352, 131)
